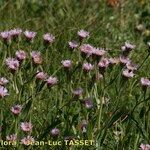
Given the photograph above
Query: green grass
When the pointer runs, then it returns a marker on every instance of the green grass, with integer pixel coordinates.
(49, 108)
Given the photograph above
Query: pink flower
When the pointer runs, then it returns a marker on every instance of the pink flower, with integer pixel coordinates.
(15, 32)
(5, 36)
(104, 62)
(12, 64)
(145, 82)
(36, 56)
(30, 35)
(124, 60)
(16, 109)
(3, 92)
(88, 103)
(3, 81)
(21, 55)
(98, 51)
(145, 146)
(127, 73)
(131, 66)
(55, 132)
(127, 46)
(86, 49)
(66, 63)
(29, 140)
(48, 38)
(51, 81)
(11, 138)
(83, 34)
(26, 126)
(73, 44)
(41, 75)
(87, 67)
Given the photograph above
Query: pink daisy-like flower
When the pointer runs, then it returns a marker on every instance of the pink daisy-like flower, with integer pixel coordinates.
(26, 126)
(131, 66)
(87, 67)
(66, 63)
(145, 82)
(12, 64)
(55, 132)
(29, 140)
(5, 36)
(21, 55)
(98, 51)
(144, 147)
(41, 75)
(30, 35)
(15, 32)
(73, 44)
(16, 109)
(11, 138)
(86, 49)
(124, 60)
(127, 46)
(51, 81)
(104, 62)
(36, 56)
(83, 34)
(48, 38)
(3, 81)
(128, 73)
(3, 92)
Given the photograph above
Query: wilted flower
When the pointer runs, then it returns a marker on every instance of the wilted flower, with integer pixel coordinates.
(77, 92)
(86, 49)
(16, 109)
(73, 44)
(48, 38)
(83, 34)
(3, 81)
(21, 55)
(83, 125)
(66, 63)
(144, 147)
(11, 138)
(29, 140)
(139, 28)
(3, 92)
(41, 75)
(30, 35)
(51, 81)
(36, 56)
(128, 73)
(113, 61)
(87, 67)
(26, 126)
(12, 64)
(55, 132)
(88, 103)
